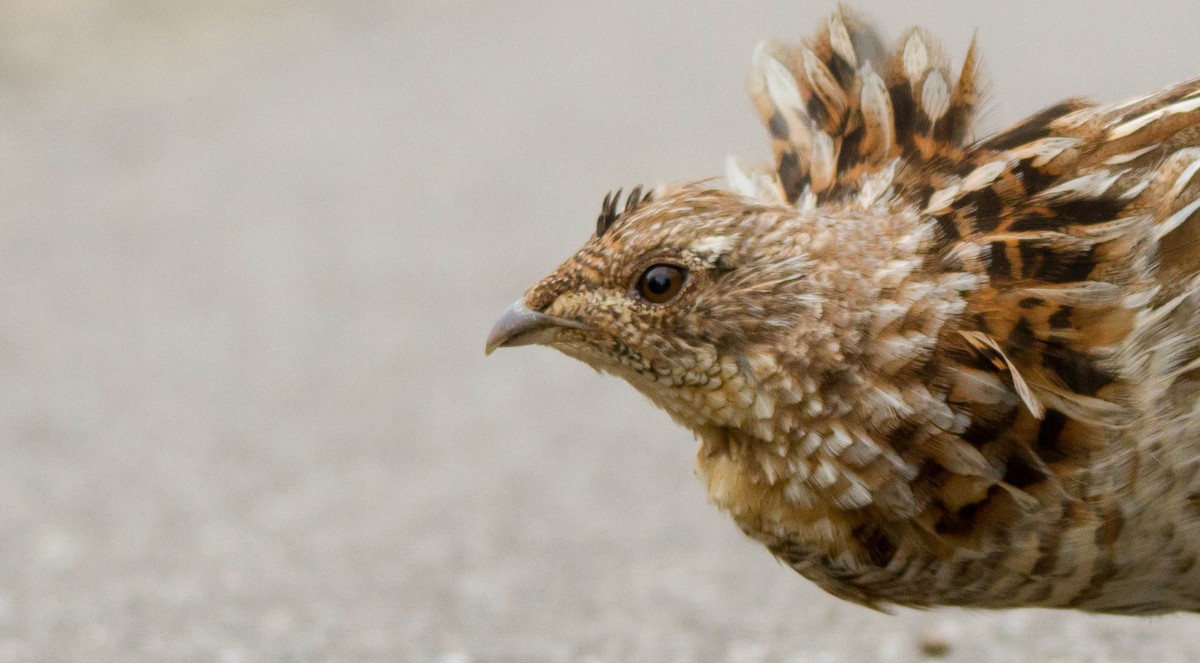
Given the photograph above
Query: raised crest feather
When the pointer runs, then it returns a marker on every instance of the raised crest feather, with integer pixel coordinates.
(834, 120)
(611, 210)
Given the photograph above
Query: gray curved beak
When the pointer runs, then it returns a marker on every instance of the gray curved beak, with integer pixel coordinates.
(520, 326)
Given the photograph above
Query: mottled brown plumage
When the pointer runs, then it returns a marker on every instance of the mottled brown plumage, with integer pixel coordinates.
(925, 370)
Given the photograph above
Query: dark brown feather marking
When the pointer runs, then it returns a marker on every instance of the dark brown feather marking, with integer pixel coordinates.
(779, 126)
(1078, 371)
(1035, 180)
(1047, 436)
(1061, 318)
(1036, 220)
(987, 207)
(1065, 269)
(790, 175)
(1020, 473)
(1035, 127)
(879, 547)
(999, 266)
(1021, 337)
(1087, 211)
(947, 228)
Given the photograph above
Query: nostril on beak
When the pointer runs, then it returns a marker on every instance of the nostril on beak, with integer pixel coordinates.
(539, 304)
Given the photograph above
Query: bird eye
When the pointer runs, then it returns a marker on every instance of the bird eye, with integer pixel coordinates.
(660, 283)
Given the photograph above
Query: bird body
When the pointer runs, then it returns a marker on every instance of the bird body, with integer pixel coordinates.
(924, 369)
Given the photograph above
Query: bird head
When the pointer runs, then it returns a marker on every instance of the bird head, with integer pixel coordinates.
(705, 300)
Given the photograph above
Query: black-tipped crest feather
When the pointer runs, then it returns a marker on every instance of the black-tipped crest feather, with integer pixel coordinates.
(611, 210)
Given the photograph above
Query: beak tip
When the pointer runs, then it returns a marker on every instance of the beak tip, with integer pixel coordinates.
(515, 320)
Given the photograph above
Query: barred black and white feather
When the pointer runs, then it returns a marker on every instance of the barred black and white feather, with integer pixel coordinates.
(841, 110)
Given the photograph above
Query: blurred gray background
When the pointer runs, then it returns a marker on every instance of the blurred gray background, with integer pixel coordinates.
(248, 258)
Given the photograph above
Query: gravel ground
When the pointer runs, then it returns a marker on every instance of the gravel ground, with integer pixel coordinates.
(249, 257)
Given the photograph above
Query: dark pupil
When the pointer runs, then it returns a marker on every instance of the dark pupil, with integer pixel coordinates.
(658, 281)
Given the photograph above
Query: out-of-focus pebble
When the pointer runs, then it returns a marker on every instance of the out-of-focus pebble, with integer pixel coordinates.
(934, 643)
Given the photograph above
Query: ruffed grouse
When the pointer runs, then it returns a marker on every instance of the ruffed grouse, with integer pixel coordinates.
(924, 369)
